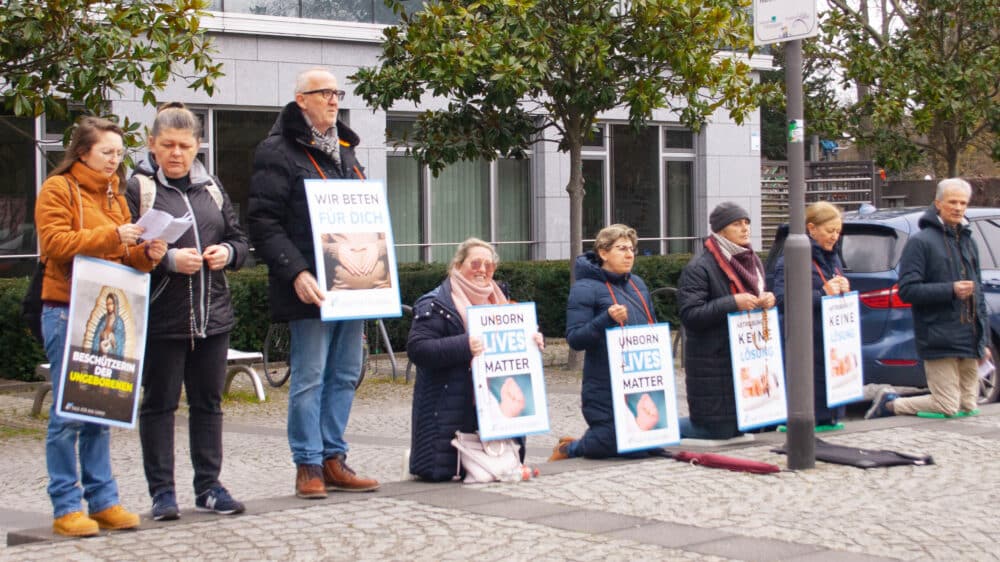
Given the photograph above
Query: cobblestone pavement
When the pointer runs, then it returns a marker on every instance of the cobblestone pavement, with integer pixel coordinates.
(576, 510)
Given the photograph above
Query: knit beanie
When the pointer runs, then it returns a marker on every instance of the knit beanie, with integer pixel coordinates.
(725, 214)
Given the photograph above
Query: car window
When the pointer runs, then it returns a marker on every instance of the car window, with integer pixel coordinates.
(986, 233)
(871, 251)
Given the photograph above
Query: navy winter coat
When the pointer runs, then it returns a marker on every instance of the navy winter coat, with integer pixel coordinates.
(175, 297)
(443, 398)
(278, 214)
(587, 321)
(705, 300)
(829, 263)
(932, 261)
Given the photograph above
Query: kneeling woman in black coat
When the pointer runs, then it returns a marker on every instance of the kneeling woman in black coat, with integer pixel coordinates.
(441, 348)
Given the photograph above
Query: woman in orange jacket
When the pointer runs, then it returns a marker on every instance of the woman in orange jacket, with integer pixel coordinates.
(80, 210)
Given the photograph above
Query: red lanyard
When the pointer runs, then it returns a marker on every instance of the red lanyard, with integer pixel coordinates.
(322, 175)
(820, 272)
(642, 300)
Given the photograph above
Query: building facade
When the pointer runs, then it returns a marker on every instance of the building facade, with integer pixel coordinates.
(663, 181)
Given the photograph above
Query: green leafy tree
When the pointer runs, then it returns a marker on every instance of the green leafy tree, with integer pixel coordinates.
(60, 52)
(925, 72)
(512, 68)
(824, 112)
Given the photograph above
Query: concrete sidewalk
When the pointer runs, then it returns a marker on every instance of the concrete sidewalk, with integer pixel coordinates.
(576, 510)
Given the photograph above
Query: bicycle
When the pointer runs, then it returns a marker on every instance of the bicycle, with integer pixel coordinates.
(277, 347)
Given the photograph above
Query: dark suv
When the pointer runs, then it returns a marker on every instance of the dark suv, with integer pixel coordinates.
(871, 244)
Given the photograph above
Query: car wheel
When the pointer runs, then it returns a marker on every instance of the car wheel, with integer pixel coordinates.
(989, 386)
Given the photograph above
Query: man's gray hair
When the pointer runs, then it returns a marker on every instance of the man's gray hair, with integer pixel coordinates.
(952, 184)
(302, 79)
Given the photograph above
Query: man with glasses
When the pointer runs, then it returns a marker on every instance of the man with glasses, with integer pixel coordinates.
(307, 142)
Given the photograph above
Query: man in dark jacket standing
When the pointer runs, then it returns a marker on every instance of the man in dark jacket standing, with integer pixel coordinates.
(939, 276)
(307, 142)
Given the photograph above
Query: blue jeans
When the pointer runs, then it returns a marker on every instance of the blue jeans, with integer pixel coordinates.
(326, 364)
(65, 435)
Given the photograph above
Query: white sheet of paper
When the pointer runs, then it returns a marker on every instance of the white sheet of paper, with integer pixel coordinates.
(986, 369)
(163, 226)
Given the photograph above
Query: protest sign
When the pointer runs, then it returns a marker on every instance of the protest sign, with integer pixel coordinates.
(105, 343)
(643, 392)
(758, 368)
(841, 316)
(355, 255)
(508, 376)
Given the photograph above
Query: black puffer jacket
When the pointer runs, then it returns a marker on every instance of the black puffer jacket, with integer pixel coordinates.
(932, 261)
(705, 300)
(443, 397)
(830, 265)
(278, 214)
(587, 322)
(177, 299)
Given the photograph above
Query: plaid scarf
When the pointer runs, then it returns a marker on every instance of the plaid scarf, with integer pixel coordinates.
(328, 143)
(744, 262)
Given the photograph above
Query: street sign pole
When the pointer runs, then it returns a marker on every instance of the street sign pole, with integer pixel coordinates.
(790, 21)
(801, 443)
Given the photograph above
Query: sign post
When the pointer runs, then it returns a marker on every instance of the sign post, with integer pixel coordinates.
(790, 21)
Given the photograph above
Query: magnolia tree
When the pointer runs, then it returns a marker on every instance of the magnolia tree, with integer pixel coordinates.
(510, 69)
(62, 52)
(925, 74)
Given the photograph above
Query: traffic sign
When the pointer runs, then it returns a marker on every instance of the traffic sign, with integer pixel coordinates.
(776, 21)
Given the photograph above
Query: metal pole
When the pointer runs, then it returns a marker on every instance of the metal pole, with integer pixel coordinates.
(800, 444)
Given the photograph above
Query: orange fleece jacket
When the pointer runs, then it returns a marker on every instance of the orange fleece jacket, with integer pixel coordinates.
(58, 211)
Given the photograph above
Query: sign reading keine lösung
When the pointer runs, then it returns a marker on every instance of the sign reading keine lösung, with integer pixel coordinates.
(508, 377)
(355, 255)
(842, 348)
(758, 368)
(105, 343)
(643, 393)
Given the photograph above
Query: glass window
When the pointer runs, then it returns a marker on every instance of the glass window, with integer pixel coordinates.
(871, 251)
(987, 236)
(678, 138)
(339, 10)
(593, 198)
(259, 7)
(680, 190)
(17, 191)
(636, 183)
(237, 134)
(396, 130)
(403, 189)
(596, 138)
(460, 207)
(513, 214)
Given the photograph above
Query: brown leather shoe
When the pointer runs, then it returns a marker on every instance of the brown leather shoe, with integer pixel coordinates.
(309, 482)
(338, 476)
(561, 450)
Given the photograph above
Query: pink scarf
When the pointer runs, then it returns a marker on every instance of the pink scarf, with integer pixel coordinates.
(465, 293)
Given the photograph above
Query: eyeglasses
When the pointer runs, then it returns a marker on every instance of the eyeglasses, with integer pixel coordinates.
(480, 263)
(624, 249)
(327, 93)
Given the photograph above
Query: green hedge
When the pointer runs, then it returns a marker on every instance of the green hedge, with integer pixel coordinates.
(546, 283)
(21, 352)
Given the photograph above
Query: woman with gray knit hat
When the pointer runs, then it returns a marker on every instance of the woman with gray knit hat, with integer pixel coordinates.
(727, 277)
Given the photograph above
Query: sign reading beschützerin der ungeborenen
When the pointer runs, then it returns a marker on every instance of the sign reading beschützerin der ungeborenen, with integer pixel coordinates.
(105, 343)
